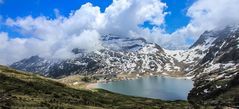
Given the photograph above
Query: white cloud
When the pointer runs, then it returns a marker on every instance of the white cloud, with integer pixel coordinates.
(211, 13)
(88, 40)
(206, 15)
(82, 29)
(10, 49)
(124, 16)
(53, 37)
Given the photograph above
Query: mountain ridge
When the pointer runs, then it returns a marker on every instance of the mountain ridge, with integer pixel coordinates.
(212, 61)
(135, 55)
(127, 55)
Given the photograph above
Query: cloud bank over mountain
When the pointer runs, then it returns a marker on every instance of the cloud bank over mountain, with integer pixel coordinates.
(83, 27)
(206, 15)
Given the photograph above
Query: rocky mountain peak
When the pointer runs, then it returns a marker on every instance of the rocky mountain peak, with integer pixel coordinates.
(206, 38)
(119, 43)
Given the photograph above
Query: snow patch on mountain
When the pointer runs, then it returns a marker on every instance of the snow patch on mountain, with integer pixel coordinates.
(191, 55)
(176, 53)
(149, 49)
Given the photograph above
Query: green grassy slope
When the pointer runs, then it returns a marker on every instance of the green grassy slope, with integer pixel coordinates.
(19, 89)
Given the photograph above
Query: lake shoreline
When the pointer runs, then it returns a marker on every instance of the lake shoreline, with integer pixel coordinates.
(169, 88)
(93, 85)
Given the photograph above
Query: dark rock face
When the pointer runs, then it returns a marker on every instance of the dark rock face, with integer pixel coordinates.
(69, 66)
(33, 64)
(225, 49)
(83, 64)
(217, 74)
(202, 39)
(219, 92)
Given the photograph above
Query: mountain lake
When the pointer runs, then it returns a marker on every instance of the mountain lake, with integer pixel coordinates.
(157, 87)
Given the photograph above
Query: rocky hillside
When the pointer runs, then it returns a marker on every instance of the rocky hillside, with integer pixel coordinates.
(119, 55)
(216, 79)
(213, 61)
(214, 48)
(25, 90)
(192, 56)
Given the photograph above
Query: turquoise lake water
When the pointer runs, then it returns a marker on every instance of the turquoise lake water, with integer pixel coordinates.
(159, 87)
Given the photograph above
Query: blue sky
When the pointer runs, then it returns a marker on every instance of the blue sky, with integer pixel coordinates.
(21, 8)
(177, 17)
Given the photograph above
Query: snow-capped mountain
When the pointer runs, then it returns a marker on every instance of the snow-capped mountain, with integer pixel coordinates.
(120, 55)
(192, 56)
(211, 51)
(217, 72)
(213, 61)
(209, 47)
